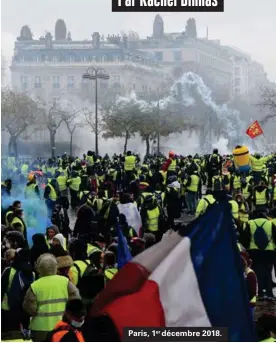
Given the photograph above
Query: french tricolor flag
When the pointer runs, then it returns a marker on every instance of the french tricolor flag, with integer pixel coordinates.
(192, 279)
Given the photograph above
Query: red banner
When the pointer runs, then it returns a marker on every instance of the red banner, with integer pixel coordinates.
(254, 130)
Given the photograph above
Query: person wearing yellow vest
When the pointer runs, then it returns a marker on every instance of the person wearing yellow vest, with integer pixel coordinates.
(50, 196)
(247, 191)
(90, 158)
(25, 169)
(273, 195)
(170, 165)
(46, 299)
(78, 251)
(259, 238)
(74, 183)
(62, 184)
(17, 223)
(15, 281)
(110, 269)
(266, 327)
(243, 208)
(68, 329)
(235, 183)
(193, 191)
(204, 203)
(31, 189)
(257, 166)
(129, 168)
(10, 212)
(6, 187)
(261, 197)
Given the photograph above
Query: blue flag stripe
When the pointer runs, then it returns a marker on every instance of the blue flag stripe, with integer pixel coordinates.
(123, 253)
(220, 274)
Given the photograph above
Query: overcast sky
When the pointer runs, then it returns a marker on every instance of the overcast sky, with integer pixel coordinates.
(249, 25)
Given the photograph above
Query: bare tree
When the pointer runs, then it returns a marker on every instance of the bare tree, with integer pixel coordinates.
(121, 120)
(52, 119)
(19, 113)
(268, 102)
(72, 123)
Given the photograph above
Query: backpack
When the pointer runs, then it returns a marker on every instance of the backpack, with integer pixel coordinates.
(260, 237)
(217, 184)
(159, 200)
(214, 162)
(91, 282)
(18, 289)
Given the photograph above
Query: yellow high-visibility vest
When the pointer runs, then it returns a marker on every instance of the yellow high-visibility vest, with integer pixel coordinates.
(261, 197)
(30, 191)
(110, 273)
(194, 184)
(235, 209)
(245, 191)
(129, 163)
(53, 194)
(153, 219)
(172, 166)
(52, 294)
(204, 204)
(237, 182)
(62, 182)
(244, 217)
(267, 226)
(74, 183)
(5, 303)
(82, 265)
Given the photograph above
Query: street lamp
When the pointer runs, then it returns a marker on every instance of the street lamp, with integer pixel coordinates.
(95, 74)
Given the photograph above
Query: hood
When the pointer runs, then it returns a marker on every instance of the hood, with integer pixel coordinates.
(60, 238)
(64, 262)
(53, 227)
(46, 265)
(239, 195)
(260, 188)
(174, 184)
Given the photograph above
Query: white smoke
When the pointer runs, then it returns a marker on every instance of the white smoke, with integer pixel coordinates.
(190, 81)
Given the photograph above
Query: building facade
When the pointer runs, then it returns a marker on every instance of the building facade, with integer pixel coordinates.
(52, 68)
(182, 52)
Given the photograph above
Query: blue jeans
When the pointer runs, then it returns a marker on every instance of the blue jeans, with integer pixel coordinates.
(191, 199)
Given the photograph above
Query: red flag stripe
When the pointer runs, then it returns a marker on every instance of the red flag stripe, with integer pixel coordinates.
(129, 280)
(142, 308)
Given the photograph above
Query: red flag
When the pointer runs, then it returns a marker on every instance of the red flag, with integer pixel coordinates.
(254, 130)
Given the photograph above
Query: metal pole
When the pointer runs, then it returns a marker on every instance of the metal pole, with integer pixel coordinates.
(96, 114)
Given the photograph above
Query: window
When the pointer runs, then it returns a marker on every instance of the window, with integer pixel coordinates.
(37, 83)
(159, 56)
(103, 85)
(116, 85)
(237, 82)
(116, 78)
(177, 55)
(24, 82)
(71, 58)
(70, 81)
(55, 59)
(56, 82)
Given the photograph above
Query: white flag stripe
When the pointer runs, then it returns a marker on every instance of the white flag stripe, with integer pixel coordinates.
(150, 258)
(178, 289)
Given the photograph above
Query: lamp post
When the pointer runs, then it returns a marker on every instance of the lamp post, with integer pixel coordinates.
(95, 74)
